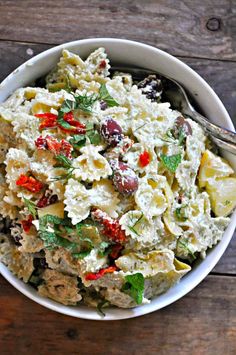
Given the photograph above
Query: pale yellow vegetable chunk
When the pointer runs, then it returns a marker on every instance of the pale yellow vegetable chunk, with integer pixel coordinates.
(57, 209)
(222, 194)
(212, 167)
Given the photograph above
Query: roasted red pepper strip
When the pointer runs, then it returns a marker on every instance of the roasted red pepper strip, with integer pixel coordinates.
(144, 159)
(76, 126)
(27, 223)
(57, 147)
(49, 120)
(112, 228)
(91, 276)
(29, 183)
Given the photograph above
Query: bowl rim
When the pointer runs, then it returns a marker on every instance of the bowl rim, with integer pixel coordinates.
(169, 297)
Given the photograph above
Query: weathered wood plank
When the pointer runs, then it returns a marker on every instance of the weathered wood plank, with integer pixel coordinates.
(199, 29)
(220, 75)
(202, 323)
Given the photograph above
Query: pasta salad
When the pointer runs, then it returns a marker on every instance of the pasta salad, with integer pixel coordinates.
(108, 195)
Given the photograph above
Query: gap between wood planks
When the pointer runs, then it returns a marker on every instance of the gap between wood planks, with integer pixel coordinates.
(50, 45)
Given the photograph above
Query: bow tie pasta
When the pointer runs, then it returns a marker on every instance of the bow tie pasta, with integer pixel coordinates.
(107, 195)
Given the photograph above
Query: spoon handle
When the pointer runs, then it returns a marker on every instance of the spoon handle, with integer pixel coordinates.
(213, 129)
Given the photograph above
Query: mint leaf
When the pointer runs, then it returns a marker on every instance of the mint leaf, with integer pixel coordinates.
(134, 286)
(105, 96)
(78, 141)
(171, 162)
(51, 236)
(31, 207)
(94, 137)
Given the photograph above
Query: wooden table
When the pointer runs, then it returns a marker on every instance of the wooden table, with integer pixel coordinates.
(203, 35)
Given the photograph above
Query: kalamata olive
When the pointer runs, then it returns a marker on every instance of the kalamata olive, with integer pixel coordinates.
(111, 131)
(151, 87)
(181, 124)
(103, 105)
(125, 179)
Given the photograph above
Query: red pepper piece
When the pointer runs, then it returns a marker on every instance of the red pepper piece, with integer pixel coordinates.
(52, 144)
(27, 223)
(49, 120)
(29, 183)
(102, 64)
(144, 159)
(76, 126)
(112, 228)
(91, 276)
(116, 251)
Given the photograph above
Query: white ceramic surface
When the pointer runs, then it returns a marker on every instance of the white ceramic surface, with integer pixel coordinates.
(136, 54)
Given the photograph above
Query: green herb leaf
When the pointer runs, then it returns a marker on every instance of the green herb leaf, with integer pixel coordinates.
(105, 96)
(78, 141)
(85, 102)
(134, 286)
(104, 248)
(182, 136)
(64, 161)
(94, 137)
(171, 162)
(184, 245)
(31, 207)
(102, 305)
(180, 213)
(81, 254)
(51, 238)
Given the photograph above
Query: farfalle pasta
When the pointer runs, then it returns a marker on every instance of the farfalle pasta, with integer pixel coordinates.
(107, 195)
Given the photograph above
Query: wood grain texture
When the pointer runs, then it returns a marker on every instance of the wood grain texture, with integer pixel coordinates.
(201, 323)
(203, 29)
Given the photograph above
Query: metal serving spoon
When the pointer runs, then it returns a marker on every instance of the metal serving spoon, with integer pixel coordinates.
(174, 93)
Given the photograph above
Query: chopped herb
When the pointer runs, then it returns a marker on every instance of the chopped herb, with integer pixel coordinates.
(64, 161)
(133, 230)
(182, 136)
(171, 162)
(81, 254)
(227, 202)
(134, 286)
(105, 96)
(138, 220)
(85, 102)
(31, 207)
(180, 213)
(104, 248)
(101, 305)
(140, 127)
(184, 245)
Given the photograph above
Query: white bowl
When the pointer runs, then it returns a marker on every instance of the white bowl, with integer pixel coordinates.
(136, 54)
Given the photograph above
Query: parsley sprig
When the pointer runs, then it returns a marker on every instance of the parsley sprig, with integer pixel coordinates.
(134, 286)
(171, 162)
